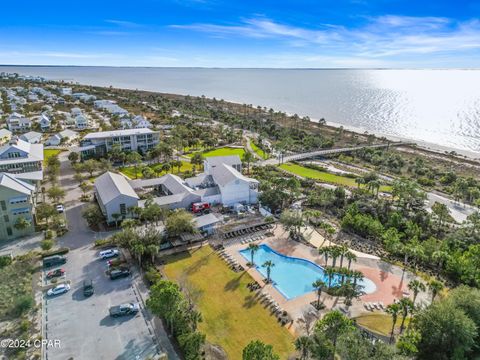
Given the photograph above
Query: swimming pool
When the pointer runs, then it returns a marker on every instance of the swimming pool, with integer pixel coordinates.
(292, 276)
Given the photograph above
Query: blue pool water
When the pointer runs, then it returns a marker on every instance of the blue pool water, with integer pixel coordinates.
(292, 276)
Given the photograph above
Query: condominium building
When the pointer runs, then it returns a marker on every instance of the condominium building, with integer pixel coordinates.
(16, 207)
(99, 143)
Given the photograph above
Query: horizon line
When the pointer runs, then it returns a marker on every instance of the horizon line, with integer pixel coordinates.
(247, 68)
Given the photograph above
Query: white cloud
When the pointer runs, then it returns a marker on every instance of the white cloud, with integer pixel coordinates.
(383, 36)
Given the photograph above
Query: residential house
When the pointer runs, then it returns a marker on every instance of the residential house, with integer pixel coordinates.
(66, 91)
(44, 122)
(18, 123)
(99, 143)
(32, 137)
(138, 122)
(18, 156)
(16, 202)
(84, 97)
(110, 106)
(81, 122)
(115, 196)
(64, 136)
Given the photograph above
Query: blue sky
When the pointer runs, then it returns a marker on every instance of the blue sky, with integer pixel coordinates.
(261, 33)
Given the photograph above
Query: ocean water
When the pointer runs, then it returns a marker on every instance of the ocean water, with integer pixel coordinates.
(440, 107)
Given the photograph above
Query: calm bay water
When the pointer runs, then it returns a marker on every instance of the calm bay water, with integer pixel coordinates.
(440, 107)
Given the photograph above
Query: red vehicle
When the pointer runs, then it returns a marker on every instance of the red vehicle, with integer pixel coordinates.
(200, 206)
(55, 273)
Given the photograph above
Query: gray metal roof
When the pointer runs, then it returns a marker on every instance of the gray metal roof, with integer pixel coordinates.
(227, 160)
(10, 181)
(206, 220)
(110, 185)
(127, 132)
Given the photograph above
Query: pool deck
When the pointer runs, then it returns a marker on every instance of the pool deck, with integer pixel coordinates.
(390, 280)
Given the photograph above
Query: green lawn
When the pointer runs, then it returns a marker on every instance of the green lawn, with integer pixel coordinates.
(130, 170)
(224, 151)
(379, 323)
(258, 151)
(49, 153)
(231, 317)
(324, 176)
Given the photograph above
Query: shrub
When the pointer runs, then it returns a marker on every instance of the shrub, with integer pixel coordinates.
(49, 234)
(23, 304)
(5, 260)
(60, 251)
(46, 245)
(104, 242)
(152, 275)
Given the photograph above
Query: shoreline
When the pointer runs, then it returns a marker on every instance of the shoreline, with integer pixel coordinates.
(422, 145)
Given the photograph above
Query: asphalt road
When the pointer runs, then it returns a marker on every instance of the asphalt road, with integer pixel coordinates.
(83, 326)
(458, 211)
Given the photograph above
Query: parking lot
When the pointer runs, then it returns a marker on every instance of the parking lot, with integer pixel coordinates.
(83, 325)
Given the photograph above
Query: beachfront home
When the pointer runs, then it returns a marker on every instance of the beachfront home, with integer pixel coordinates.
(115, 196)
(32, 137)
(84, 97)
(137, 122)
(99, 143)
(18, 123)
(16, 205)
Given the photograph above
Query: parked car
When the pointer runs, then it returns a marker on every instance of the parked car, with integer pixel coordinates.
(106, 254)
(119, 273)
(55, 273)
(59, 289)
(124, 309)
(60, 208)
(54, 260)
(88, 288)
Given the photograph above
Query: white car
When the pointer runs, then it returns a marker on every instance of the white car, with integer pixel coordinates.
(60, 208)
(59, 289)
(106, 254)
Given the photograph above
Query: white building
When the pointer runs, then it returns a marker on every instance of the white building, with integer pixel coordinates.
(57, 139)
(44, 122)
(18, 156)
(99, 143)
(66, 91)
(110, 106)
(81, 122)
(115, 196)
(221, 183)
(138, 122)
(16, 203)
(31, 137)
(18, 123)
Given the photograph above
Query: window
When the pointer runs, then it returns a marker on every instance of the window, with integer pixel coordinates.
(9, 231)
(4, 206)
(20, 211)
(5, 218)
(123, 209)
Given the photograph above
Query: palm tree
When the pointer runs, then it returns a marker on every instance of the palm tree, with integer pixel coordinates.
(138, 250)
(335, 253)
(330, 271)
(319, 285)
(356, 276)
(268, 265)
(393, 310)
(302, 345)
(435, 287)
(350, 257)
(153, 250)
(416, 286)
(247, 158)
(405, 305)
(325, 251)
(253, 249)
(343, 250)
